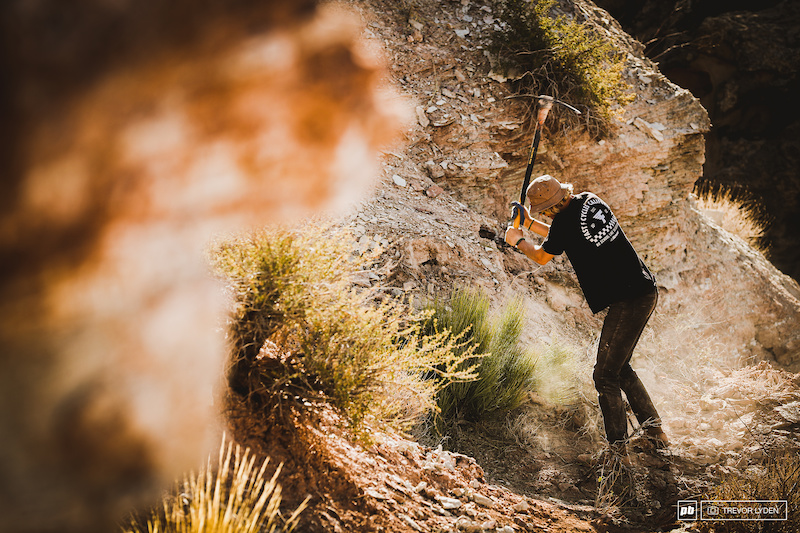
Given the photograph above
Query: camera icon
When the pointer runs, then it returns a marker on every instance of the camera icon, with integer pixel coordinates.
(712, 510)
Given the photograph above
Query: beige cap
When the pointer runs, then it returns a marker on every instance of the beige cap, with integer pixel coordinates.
(545, 191)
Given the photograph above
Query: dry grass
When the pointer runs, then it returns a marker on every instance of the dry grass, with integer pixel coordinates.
(233, 497)
(615, 483)
(736, 212)
(777, 478)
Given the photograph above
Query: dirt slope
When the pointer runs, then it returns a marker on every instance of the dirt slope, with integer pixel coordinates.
(392, 484)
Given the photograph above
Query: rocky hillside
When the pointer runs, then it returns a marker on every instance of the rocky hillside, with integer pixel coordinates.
(139, 130)
(463, 163)
(437, 215)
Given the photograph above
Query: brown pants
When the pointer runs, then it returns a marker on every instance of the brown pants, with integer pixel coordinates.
(622, 328)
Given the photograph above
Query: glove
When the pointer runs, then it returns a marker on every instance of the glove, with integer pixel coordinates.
(518, 214)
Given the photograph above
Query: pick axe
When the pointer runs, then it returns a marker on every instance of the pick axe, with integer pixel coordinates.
(544, 104)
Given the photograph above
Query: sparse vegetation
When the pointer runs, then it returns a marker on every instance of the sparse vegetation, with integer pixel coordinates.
(735, 211)
(777, 478)
(301, 329)
(561, 57)
(615, 483)
(505, 369)
(233, 497)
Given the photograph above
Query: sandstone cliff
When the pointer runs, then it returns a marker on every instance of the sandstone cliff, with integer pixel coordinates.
(471, 141)
(741, 59)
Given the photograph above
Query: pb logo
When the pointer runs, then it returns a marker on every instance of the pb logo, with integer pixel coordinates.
(687, 510)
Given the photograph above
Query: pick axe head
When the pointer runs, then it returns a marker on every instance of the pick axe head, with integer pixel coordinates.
(545, 104)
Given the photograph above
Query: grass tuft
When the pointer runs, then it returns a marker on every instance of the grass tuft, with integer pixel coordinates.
(737, 212)
(505, 370)
(234, 497)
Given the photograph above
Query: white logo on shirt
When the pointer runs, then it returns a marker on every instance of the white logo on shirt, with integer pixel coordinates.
(598, 223)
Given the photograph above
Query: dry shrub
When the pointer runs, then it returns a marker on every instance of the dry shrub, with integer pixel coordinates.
(300, 327)
(559, 56)
(615, 483)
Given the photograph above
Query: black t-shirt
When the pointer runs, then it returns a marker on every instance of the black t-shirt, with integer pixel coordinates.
(607, 266)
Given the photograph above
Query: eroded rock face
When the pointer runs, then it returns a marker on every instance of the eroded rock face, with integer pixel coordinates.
(741, 59)
(647, 173)
(134, 131)
(646, 170)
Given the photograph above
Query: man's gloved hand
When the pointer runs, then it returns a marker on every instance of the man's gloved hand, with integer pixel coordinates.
(519, 215)
(513, 235)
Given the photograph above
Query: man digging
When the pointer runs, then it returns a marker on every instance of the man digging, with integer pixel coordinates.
(612, 276)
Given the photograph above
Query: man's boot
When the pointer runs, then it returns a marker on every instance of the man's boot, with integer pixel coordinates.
(657, 437)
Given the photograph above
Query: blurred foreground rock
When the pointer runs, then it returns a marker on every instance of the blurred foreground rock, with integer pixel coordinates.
(132, 132)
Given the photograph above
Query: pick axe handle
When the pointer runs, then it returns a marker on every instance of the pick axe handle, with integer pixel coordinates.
(517, 214)
(544, 108)
(531, 160)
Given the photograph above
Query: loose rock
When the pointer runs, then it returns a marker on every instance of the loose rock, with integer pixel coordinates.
(434, 171)
(485, 501)
(410, 521)
(521, 507)
(467, 525)
(433, 191)
(489, 524)
(422, 117)
(448, 503)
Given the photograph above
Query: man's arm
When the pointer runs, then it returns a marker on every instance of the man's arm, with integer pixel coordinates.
(539, 227)
(535, 252)
(532, 251)
(534, 225)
